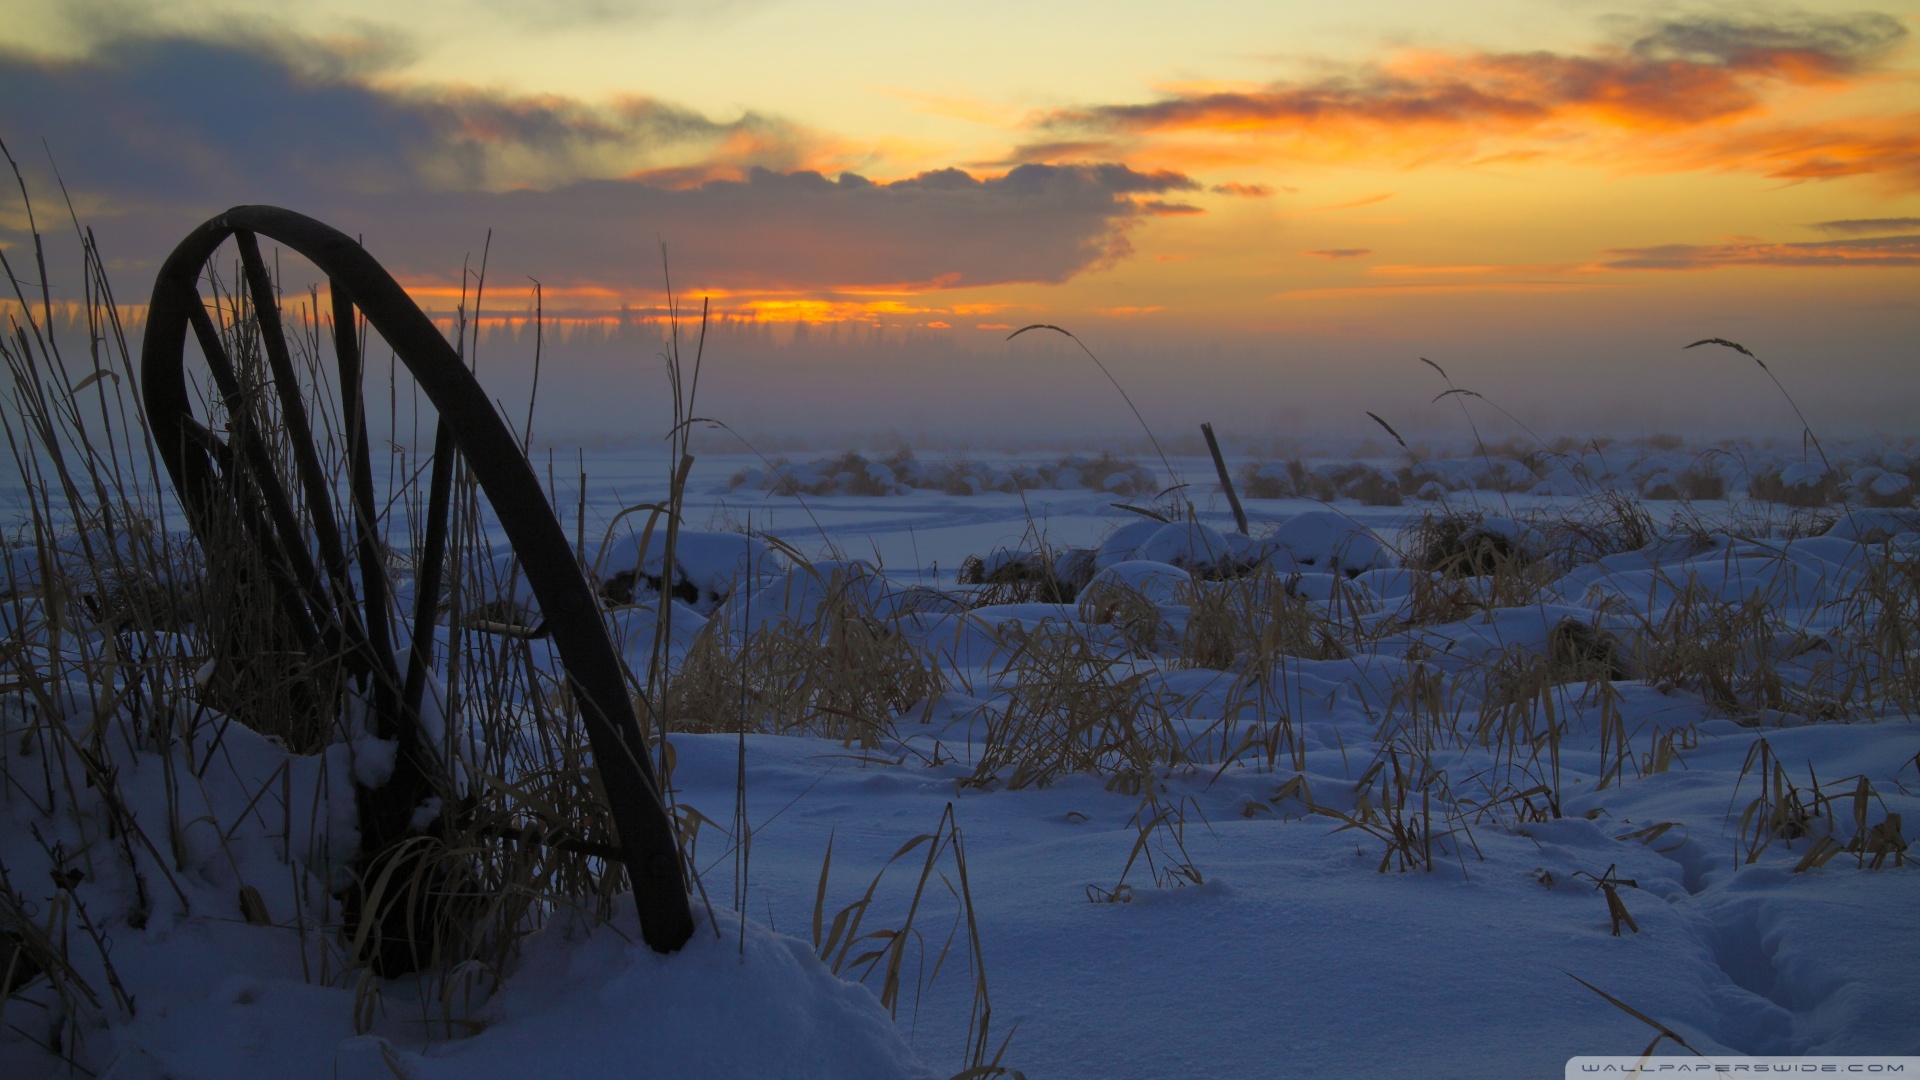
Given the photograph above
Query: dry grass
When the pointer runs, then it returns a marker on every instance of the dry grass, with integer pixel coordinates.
(852, 951)
(1251, 622)
(1602, 524)
(844, 675)
(1385, 808)
(118, 633)
(1076, 708)
(168, 645)
(1045, 573)
(164, 646)
(1457, 544)
(1072, 707)
(1783, 811)
(1720, 649)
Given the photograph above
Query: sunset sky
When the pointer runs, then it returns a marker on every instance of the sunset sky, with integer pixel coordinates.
(1260, 212)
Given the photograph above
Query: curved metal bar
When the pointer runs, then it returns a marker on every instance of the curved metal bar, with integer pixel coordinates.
(646, 834)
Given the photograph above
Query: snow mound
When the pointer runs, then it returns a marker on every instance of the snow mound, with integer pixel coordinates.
(707, 566)
(581, 1005)
(1331, 541)
(1158, 581)
(725, 1006)
(1187, 544)
(1875, 526)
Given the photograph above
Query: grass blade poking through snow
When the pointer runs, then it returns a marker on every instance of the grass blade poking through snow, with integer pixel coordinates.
(1665, 1032)
(885, 949)
(1173, 475)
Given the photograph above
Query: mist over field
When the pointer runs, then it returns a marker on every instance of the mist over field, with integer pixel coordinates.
(855, 386)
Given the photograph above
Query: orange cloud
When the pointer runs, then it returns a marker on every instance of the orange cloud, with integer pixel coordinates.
(1684, 76)
(1885, 147)
(1060, 150)
(1873, 252)
(1464, 270)
(1340, 253)
(1855, 226)
(1421, 288)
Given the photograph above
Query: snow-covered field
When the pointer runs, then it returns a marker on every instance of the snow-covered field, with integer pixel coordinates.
(1274, 805)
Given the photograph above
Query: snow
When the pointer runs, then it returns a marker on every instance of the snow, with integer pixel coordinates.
(709, 564)
(1263, 938)
(1332, 540)
(1159, 582)
(583, 1004)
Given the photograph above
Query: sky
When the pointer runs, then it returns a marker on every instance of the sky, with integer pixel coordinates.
(1258, 213)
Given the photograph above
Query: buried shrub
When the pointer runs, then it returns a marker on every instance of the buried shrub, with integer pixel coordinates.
(1702, 485)
(1577, 652)
(1720, 649)
(1072, 707)
(1373, 488)
(852, 473)
(1254, 620)
(1800, 484)
(1107, 601)
(1460, 543)
(840, 674)
(1602, 524)
(1369, 484)
(1283, 480)
(1879, 489)
(848, 474)
(1047, 575)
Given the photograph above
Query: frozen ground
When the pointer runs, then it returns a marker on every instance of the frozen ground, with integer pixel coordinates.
(1259, 938)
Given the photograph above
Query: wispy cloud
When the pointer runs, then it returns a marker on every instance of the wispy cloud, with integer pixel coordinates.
(1857, 226)
(1340, 253)
(1676, 73)
(1441, 288)
(1875, 252)
(1455, 270)
(1059, 150)
(1245, 191)
(1691, 76)
(1884, 147)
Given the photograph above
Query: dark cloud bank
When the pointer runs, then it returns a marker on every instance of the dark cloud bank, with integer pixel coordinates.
(155, 135)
